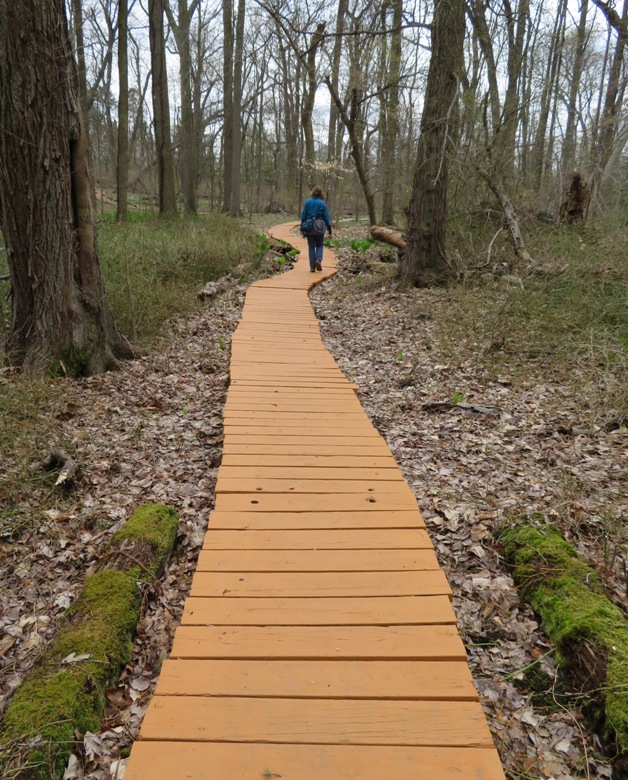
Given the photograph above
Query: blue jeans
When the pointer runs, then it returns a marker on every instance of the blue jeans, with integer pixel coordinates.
(315, 247)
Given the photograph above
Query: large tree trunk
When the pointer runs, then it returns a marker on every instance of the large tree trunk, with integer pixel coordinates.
(425, 259)
(60, 317)
(122, 172)
(161, 109)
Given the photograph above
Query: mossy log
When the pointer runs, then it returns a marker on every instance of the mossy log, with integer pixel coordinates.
(65, 691)
(589, 631)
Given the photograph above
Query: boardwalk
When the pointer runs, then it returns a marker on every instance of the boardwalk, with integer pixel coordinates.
(318, 641)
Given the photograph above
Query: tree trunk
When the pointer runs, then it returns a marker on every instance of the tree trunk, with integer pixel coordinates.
(161, 110)
(122, 172)
(569, 144)
(308, 102)
(227, 132)
(425, 260)
(357, 153)
(505, 146)
(510, 217)
(610, 114)
(60, 317)
(390, 136)
(188, 145)
(236, 143)
(334, 76)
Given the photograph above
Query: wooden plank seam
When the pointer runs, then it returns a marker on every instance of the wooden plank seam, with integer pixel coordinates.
(318, 639)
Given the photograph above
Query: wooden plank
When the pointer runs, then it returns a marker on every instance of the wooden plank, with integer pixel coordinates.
(317, 560)
(321, 448)
(419, 680)
(317, 584)
(368, 539)
(199, 761)
(319, 721)
(289, 472)
(341, 463)
(285, 521)
(365, 643)
(373, 611)
(361, 429)
(339, 487)
(375, 500)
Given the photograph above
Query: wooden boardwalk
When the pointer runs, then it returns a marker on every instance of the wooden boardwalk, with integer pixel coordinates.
(318, 641)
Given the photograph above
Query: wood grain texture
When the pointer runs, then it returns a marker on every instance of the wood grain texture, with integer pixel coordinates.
(199, 761)
(420, 680)
(316, 721)
(278, 611)
(304, 538)
(318, 639)
(317, 584)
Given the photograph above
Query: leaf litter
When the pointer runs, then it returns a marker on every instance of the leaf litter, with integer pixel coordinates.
(152, 432)
(478, 449)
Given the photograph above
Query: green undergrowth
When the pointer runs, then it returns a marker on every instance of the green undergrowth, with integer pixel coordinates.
(153, 268)
(590, 632)
(565, 316)
(65, 691)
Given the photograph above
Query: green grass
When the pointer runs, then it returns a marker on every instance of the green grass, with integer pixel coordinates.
(567, 318)
(152, 268)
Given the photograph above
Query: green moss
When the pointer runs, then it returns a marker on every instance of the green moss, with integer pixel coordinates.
(61, 696)
(567, 595)
(153, 524)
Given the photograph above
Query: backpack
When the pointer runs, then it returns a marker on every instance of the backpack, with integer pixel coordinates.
(313, 226)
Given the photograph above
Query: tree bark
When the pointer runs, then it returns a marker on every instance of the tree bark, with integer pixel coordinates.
(425, 261)
(161, 110)
(187, 154)
(122, 172)
(236, 142)
(390, 136)
(569, 144)
(357, 153)
(227, 132)
(308, 102)
(60, 316)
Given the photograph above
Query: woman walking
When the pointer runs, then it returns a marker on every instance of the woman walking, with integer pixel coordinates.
(315, 211)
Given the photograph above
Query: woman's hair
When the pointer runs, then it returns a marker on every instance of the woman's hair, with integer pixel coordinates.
(317, 192)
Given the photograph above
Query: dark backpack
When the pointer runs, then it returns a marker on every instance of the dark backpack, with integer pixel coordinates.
(313, 226)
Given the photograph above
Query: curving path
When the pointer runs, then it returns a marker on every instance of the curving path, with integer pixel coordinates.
(318, 641)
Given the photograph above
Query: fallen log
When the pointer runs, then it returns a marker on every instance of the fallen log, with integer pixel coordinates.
(388, 236)
(589, 631)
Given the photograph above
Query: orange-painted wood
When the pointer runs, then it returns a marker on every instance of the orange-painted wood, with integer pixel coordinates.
(318, 639)
(355, 611)
(271, 761)
(421, 680)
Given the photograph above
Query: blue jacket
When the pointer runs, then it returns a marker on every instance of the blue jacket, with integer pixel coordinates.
(315, 207)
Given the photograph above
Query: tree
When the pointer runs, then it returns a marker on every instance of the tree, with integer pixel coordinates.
(122, 169)
(60, 317)
(181, 30)
(425, 258)
(161, 109)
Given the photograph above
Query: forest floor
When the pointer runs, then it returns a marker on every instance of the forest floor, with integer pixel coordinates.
(152, 432)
